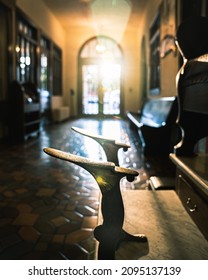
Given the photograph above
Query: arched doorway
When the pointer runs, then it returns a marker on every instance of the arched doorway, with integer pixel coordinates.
(100, 76)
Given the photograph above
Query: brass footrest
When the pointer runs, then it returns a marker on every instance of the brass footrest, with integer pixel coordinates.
(89, 164)
(107, 176)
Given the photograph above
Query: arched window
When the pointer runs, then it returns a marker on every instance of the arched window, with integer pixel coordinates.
(101, 47)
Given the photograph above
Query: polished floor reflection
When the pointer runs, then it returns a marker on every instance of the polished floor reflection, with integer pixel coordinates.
(49, 207)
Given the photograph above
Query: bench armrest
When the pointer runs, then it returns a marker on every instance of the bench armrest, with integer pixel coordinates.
(134, 118)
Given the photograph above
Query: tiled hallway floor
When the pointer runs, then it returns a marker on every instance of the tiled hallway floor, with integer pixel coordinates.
(48, 207)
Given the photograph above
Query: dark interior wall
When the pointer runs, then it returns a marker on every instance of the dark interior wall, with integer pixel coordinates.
(194, 8)
(4, 65)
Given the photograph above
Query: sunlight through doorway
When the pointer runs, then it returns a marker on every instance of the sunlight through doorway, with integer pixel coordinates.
(101, 89)
(100, 76)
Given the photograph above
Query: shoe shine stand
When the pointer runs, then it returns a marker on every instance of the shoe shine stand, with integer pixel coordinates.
(107, 175)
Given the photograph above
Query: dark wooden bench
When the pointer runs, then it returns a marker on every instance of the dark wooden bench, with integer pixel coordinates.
(156, 125)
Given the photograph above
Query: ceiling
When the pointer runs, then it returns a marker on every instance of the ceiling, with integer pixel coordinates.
(105, 13)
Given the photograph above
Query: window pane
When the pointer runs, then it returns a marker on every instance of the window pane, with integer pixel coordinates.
(26, 52)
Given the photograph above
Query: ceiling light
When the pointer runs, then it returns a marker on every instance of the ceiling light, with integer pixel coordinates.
(100, 48)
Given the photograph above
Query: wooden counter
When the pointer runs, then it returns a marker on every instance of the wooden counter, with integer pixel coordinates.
(192, 187)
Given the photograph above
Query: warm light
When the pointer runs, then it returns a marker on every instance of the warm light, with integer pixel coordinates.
(110, 71)
(103, 184)
(17, 49)
(100, 180)
(100, 48)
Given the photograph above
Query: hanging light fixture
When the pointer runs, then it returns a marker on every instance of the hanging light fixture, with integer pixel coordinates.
(100, 46)
(110, 17)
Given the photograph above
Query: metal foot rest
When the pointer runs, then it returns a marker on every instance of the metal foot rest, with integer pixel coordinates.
(107, 175)
(109, 145)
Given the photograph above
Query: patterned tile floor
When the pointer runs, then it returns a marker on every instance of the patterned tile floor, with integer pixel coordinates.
(49, 207)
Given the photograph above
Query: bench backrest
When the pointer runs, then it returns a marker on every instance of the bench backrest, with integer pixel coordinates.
(158, 111)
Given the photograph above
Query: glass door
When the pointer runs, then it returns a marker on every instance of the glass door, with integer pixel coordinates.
(90, 89)
(101, 88)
